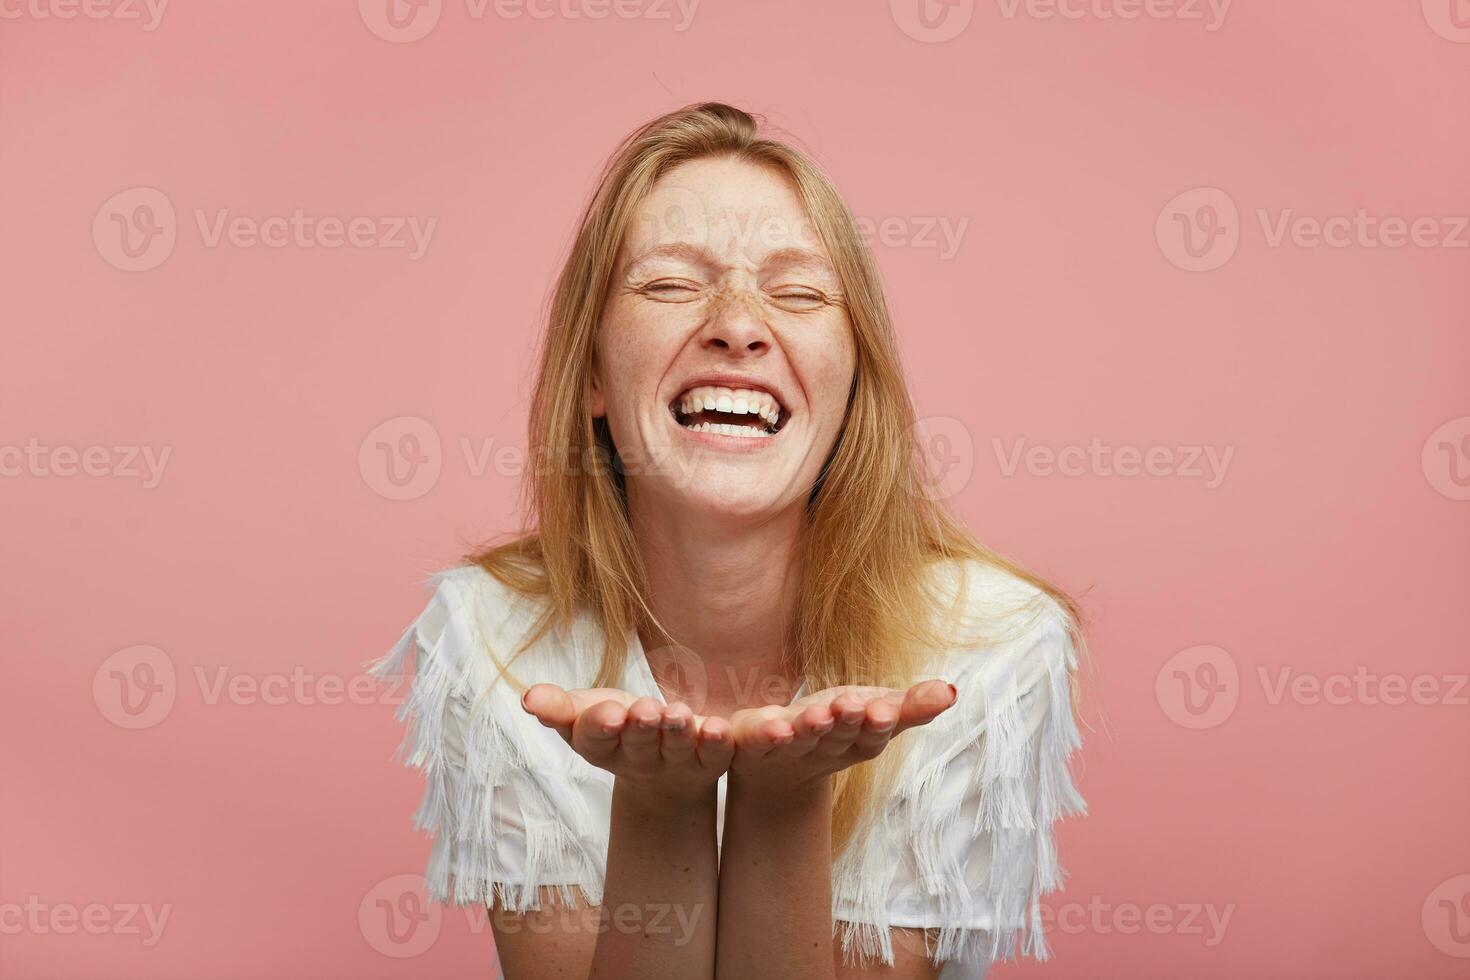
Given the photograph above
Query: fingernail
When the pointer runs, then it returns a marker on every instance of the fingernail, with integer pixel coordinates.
(523, 701)
(823, 728)
(674, 725)
(954, 692)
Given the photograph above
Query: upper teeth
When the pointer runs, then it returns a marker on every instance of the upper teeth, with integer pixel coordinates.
(737, 401)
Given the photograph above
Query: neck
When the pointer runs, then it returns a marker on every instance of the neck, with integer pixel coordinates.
(724, 590)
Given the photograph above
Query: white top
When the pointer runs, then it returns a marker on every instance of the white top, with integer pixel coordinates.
(962, 844)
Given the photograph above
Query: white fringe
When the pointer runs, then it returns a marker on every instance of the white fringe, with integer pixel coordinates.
(466, 770)
(1022, 784)
(992, 774)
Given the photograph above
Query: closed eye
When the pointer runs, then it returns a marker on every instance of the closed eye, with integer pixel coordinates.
(671, 290)
(799, 300)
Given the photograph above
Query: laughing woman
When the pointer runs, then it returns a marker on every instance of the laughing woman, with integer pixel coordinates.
(743, 700)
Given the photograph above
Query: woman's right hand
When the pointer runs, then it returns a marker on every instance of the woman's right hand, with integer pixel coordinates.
(657, 748)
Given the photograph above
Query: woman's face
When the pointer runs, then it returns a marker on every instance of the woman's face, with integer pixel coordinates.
(725, 353)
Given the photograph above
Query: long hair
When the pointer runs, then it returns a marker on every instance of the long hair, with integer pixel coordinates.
(872, 527)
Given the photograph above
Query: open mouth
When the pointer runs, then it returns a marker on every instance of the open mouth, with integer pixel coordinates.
(741, 412)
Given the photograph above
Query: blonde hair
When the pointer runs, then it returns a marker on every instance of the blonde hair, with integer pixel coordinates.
(872, 530)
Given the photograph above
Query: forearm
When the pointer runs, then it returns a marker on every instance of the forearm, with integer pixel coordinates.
(660, 892)
(775, 887)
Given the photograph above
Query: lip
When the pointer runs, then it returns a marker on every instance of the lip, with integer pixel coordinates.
(727, 379)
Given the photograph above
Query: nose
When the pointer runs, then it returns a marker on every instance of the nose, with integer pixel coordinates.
(736, 323)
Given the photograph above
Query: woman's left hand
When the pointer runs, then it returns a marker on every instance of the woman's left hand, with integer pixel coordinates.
(781, 747)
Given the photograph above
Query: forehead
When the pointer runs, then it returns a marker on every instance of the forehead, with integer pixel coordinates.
(730, 209)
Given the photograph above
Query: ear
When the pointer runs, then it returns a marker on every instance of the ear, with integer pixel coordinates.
(595, 400)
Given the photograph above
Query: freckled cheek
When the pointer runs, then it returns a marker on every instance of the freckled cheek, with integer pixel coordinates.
(825, 364)
(636, 352)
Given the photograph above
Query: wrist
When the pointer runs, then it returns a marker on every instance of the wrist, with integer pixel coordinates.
(780, 797)
(652, 800)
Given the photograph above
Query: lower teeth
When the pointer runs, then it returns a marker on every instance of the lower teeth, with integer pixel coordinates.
(730, 430)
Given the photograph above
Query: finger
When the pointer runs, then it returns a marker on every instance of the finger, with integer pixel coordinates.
(924, 702)
(758, 733)
(552, 706)
(849, 712)
(716, 745)
(879, 723)
(597, 732)
(809, 726)
(640, 736)
(678, 733)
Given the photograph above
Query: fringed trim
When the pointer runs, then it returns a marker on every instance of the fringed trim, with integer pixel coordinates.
(1020, 787)
(478, 774)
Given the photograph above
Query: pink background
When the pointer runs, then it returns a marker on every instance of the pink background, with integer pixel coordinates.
(1332, 835)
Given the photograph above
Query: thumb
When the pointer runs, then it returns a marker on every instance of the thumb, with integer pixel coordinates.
(552, 706)
(924, 702)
